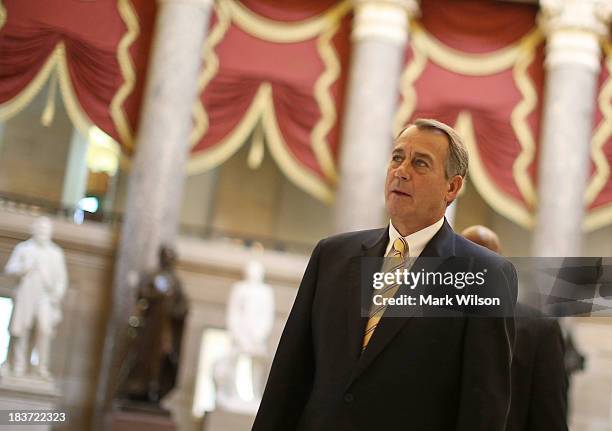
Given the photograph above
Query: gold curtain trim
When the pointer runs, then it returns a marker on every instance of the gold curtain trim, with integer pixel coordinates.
(498, 200)
(262, 108)
(598, 218)
(517, 56)
(213, 157)
(409, 97)
(601, 134)
(257, 150)
(521, 112)
(466, 63)
(211, 66)
(126, 65)
(57, 60)
(77, 115)
(2, 14)
(286, 32)
(301, 176)
(324, 27)
(48, 112)
(325, 101)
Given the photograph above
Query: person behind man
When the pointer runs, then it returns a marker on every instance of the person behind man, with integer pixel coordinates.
(539, 380)
(336, 370)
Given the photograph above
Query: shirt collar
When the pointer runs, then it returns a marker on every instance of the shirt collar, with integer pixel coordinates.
(417, 240)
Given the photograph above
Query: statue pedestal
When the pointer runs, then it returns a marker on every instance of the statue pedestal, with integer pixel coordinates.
(141, 420)
(29, 393)
(221, 420)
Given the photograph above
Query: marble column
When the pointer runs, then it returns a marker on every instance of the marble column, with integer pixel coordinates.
(380, 34)
(75, 177)
(158, 170)
(573, 28)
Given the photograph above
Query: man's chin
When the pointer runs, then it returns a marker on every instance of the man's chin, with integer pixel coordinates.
(401, 213)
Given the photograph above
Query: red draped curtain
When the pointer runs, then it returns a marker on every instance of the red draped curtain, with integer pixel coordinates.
(94, 51)
(276, 72)
(479, 65)
(275, 75)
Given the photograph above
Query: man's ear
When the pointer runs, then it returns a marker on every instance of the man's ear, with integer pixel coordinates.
(453, 188)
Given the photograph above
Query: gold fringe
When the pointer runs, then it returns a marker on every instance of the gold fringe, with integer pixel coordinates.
(262, 107)
(256, 152)
(517, 56)
(409, 97)
(598, 218)
(301, 176)
(218, 154)
(498, 200)
(126, 65)
(601, 217)
(465, 63)
(57, 59)
(324, 28)
(79, 118)
(281, 32)
(602, 134)
(521, 112)
(211, 66)
(2, 14)
(49, 110)
(325, 101)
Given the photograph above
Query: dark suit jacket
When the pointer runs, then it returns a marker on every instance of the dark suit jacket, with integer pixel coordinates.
(539, 380)
(417, 374)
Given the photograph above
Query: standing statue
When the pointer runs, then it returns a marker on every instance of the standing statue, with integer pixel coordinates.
(156, 330)
(40, 266)
(250, 317)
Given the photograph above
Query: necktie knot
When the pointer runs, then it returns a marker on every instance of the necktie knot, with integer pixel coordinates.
(401, 247)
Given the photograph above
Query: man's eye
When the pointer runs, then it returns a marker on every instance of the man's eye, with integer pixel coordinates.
(397, 158)
(421, 163)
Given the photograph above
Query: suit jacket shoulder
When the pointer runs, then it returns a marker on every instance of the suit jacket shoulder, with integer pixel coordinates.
(350, 243)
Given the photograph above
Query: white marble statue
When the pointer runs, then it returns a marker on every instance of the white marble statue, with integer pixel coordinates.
(250, 311)
(250, 317)
(39, 264)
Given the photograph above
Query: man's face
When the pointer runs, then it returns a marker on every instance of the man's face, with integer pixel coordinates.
(416, 189)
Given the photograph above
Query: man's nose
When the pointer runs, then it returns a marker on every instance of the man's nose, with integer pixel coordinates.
(403, 171)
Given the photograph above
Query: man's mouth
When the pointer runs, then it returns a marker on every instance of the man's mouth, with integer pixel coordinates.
(400, 193)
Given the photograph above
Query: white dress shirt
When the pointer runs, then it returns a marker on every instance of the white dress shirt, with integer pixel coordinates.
(417, 240)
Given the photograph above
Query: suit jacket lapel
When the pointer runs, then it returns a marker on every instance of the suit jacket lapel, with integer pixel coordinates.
(373, 247)
(441, 245)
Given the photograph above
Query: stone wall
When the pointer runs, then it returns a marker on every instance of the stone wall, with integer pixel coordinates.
(32, 156)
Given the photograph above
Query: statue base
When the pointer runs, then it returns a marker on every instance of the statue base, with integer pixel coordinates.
(29, 393)
(222, 420)
(134, 416)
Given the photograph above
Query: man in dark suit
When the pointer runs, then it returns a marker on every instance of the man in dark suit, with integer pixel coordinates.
(539, 379)
(336, 370)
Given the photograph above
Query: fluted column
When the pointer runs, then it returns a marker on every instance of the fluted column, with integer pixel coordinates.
(158, 170)
(573, 29)
(75, 176)
(380, 34)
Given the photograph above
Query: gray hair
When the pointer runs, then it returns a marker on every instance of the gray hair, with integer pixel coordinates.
(458, 158)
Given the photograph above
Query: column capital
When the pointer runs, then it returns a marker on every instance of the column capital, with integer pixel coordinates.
(592, 16)
(573, 29)
(385, 20)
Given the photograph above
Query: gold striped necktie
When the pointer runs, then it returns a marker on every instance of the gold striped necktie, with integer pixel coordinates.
(395, 259)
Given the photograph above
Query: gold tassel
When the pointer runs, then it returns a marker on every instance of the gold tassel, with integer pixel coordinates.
(49, 112)
(256, 152)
